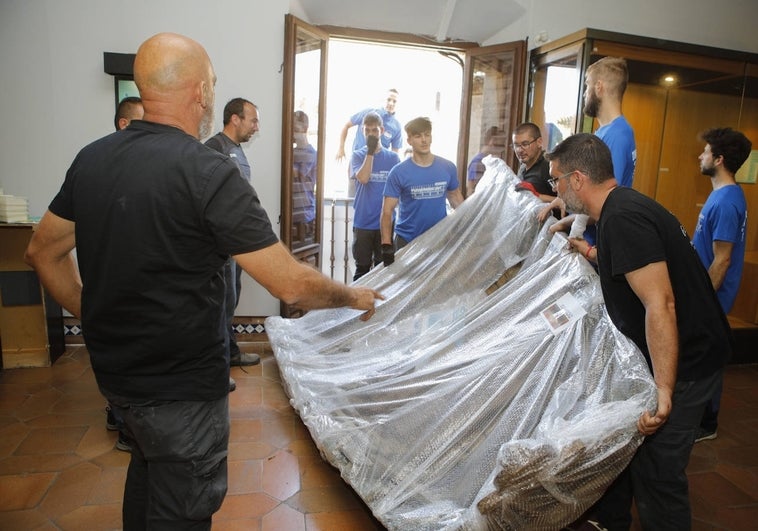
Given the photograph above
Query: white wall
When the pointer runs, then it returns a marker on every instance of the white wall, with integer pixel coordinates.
(55, 97)
(722, 24)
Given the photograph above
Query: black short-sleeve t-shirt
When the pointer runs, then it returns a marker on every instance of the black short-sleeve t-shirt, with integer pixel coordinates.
(157, 214)
(634, 231)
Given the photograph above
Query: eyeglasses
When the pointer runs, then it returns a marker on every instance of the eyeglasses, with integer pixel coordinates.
(554, 181)
(524, 145)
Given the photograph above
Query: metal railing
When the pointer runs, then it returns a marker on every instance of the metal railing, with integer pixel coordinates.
(338, 238)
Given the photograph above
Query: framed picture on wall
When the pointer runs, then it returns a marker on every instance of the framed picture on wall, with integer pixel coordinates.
(748, 173)
(125, 87)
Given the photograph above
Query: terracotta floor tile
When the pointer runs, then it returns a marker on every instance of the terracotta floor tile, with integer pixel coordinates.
(303, 448)
(20, 492)
(56, 458)
(25, 464)
(245, 477)
(332, 498)
(22, 520)
(245, 397)
(283, 517)
(240, 451)
(278, 432)
(80, 401)
(281, 475)
(38, 404)
(71, 489)
(342, 521)
(11, 436)
(246, 524)
(317, 473)
(238, 506)
(245, 430)
(735, 518)
(92, 518)
(744, 478)
(109, 487)
(51, 440)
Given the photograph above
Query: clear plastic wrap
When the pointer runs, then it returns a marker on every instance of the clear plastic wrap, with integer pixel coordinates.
(489, 391)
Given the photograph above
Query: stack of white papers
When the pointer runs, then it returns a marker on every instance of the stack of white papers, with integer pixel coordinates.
(14, 209)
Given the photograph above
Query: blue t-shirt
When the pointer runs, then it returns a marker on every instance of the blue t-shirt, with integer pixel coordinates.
(304, 184)
(723, 218)
(369, 196)
(476, 168)
(421, 193)
(393, 131)
(619, 137)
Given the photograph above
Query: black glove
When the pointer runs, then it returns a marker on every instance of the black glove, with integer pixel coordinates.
(371, 143)
(388, 254)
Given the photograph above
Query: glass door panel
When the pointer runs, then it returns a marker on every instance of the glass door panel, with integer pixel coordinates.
(494, 77)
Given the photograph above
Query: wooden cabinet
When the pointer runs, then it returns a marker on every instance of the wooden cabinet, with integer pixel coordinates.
(746, 305)
(31, 323)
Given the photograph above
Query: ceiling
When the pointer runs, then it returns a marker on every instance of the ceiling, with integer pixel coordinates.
(442, 20)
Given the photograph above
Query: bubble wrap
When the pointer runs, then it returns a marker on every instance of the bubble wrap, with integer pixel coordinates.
(489, 391)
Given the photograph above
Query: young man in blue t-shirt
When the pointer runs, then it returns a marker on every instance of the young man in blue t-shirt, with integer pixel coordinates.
(419, 185)
(720, 233)
(369, 166)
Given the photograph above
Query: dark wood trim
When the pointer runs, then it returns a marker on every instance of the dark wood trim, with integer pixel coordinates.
(388, 37)
(648, 42)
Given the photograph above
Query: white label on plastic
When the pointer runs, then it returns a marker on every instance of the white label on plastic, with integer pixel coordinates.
(563, 313)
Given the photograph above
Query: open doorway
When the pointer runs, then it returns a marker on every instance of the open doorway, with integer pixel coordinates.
(360, 73)
(464, 89)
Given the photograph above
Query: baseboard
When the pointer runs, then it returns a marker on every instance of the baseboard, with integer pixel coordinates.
(246, 329)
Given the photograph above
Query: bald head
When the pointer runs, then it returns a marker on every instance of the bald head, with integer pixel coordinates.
(175, 79)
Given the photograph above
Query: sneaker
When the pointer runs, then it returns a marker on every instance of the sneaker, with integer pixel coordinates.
(243, 359)
(110, 419)
(123, 444)
(232, 384)
(705, 435)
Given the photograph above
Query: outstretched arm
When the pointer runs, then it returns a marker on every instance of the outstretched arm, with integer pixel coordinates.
(301, 285)
(343, 137)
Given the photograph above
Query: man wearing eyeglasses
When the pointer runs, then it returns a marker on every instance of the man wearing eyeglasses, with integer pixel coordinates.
(534, 170)
(658, 293)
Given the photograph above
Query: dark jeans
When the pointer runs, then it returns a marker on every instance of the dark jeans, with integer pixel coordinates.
(367, 250)
(710, 420)
(656, 478)
(177, 477)
(233, 279)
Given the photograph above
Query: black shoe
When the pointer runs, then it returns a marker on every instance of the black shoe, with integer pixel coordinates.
(123, 443)
(232, 384)
(243, 359)
(110, 419)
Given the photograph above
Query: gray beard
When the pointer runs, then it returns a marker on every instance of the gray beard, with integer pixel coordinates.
(573, 204)
(206, 124)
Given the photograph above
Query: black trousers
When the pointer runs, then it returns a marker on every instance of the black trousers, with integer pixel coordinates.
(367, 250)
(177, 477)
(657, 477)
